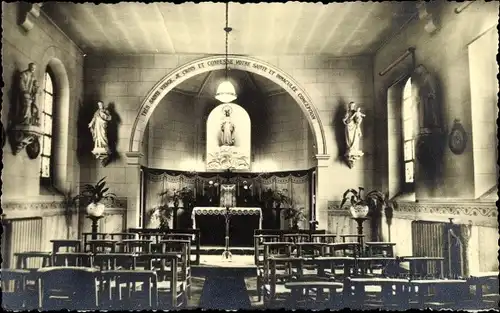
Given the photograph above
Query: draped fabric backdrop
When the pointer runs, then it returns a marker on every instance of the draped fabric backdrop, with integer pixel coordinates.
(295, 184)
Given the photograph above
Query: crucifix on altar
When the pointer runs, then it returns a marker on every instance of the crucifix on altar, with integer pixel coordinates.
(228, 200)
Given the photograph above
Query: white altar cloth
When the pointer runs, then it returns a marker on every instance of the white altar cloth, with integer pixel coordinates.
(221, 211)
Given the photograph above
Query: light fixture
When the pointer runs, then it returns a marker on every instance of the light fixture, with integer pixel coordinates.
(226, 92)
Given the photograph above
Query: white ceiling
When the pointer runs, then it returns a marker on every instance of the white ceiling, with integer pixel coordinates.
(337, 29)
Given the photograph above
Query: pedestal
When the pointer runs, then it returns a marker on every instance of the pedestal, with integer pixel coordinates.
(95, 220)
(360, 221)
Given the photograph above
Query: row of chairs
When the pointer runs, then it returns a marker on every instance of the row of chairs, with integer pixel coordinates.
(116, 283)
(305, 279)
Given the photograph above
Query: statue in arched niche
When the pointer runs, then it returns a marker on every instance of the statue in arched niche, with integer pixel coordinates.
(227, 128)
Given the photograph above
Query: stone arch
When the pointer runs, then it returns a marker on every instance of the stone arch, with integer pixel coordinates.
(243, 63)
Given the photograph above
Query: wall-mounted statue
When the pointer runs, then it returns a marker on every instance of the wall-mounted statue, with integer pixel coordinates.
(352, 120)
(227, 128)
(25, 123)
(99, 128)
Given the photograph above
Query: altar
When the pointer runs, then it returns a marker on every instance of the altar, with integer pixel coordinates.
(242, 222)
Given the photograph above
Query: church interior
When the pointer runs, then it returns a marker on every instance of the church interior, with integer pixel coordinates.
(161, 156)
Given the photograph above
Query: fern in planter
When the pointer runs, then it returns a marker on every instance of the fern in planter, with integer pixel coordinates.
(169, 203)
(295, 216)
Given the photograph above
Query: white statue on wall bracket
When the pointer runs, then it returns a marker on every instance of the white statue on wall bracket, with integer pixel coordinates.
(228, 138)
(353, 134)
(99, 128)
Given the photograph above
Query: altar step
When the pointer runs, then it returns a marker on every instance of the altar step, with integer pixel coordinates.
(210, 250)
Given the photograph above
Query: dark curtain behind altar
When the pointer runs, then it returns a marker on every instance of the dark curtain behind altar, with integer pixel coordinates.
(250, 188)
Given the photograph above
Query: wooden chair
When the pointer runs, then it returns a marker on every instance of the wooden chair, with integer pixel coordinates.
(258, 241)
(376, 293)
(195, 241)
(330, 268)
(14, 289)
(281, 270)
(183, 248)
(271, 249)
(88, 236)
(32, 261)
(71, 288)
(119, 237)
(485, 286)
(129, 290)
(439, 293)
(171, 291)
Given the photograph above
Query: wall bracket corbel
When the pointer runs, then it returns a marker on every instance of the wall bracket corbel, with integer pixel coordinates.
(425, 14)
(30, 13)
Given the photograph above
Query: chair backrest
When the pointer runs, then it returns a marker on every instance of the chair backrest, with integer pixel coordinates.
(326, 238)
(137, 245)
(84, 259)
(310, 249)
(115, 261)
(259, 248)
(385, 249)
(74, 245)
(122, 236)
(102, 245)
(88, 236)
(295, 237)
(351, 249)
(33, 259)
(71, 288)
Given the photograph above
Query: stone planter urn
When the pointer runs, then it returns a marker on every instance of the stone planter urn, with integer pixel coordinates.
(359, 210)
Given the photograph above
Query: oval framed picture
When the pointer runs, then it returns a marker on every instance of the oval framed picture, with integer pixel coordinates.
(33, 149)
(458, 138)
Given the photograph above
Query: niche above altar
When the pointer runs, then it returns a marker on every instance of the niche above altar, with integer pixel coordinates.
(228, 138)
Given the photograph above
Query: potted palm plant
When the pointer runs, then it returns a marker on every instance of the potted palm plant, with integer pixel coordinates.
(96, 197)
(275, 200)
(372, 204)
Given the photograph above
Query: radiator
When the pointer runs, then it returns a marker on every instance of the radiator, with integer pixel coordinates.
(21, 235)
(428, 240)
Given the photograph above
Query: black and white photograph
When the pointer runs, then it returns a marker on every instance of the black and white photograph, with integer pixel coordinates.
(165, 156)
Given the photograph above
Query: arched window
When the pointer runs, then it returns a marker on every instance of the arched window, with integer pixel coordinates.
(409, 123)
(47, 121)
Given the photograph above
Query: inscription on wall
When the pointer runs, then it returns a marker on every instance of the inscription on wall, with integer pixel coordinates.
(241, 64)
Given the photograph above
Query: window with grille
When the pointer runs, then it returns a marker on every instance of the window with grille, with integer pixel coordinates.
(46, 138)
(409, 118)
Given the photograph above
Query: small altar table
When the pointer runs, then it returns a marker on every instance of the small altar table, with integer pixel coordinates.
(222, 211)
